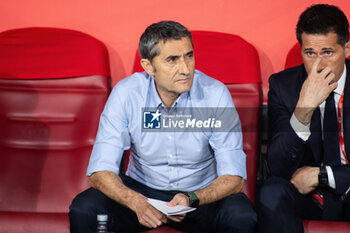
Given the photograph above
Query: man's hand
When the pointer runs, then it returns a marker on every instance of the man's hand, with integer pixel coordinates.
(147, 214)
(305, 179)
(178, 199)
(314, 91)
(111, 185)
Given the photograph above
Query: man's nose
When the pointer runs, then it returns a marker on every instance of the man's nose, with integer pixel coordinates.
(184, 69)
(322, 65)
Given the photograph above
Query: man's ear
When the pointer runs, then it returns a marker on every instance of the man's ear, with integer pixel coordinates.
(147, 66)
(347, 49)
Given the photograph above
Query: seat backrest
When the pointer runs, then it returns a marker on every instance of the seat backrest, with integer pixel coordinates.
(293, 57)
(235, 62)
(53, 87)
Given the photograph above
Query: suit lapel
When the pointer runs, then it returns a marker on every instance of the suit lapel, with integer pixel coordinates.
(346, 111)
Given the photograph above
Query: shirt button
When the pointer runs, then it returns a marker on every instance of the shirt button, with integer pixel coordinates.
(170, 155)
(170, 137)
(171, 184)
(172, 169)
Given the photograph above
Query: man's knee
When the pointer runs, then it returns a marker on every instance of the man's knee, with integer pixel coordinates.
(236, 212)
(82, 204)
(83, 212)
(274, 192)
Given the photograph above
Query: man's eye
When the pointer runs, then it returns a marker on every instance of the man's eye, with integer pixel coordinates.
(310, 54)
(171, 59)
(328, 53)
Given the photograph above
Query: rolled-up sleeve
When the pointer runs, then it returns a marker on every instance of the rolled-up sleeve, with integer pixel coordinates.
(112, 136)
(228, 146)
(231, 162)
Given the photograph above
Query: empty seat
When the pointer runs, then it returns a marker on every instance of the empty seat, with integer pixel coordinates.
(53, 86)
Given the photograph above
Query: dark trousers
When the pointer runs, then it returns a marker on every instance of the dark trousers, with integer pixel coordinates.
(281, 207)
(234, 213)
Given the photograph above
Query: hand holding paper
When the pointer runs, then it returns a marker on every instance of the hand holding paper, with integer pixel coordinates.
(163, 207)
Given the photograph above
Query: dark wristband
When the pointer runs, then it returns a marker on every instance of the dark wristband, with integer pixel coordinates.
(323, 177)
(192, 199)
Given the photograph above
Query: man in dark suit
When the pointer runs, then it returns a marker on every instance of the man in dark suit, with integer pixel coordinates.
(307, 154)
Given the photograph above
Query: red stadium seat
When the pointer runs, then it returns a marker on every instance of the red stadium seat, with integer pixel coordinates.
(54, 84)
(235, 62)
(326, 227)
(294, 59)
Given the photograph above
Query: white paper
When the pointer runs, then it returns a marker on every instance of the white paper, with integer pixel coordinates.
(163, 207)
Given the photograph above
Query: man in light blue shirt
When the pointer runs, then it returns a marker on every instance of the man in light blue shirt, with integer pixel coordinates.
(174, 158)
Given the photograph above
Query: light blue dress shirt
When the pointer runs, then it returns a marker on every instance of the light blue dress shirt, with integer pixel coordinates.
(185, 161)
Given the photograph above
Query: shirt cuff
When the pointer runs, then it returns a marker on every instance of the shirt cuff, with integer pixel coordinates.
(105, 157)
(231, 162)
(331, 180)
(303, 131)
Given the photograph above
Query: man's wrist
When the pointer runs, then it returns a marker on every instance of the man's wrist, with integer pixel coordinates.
(134, 201)
(303, 131)
(192, 199)
(303, 117)
(303, 114)
(323, 177)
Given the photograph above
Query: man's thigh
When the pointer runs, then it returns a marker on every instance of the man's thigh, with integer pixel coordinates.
(231, 214)
(88, 204)
(282, 197)
(234, 213)
(281, 207)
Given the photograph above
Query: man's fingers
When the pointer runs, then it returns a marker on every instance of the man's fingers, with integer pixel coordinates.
(152, 222)
(330, 78)
(333, 86)
(152, 218)
(164, 219)
(174, 219)
(314, 67)
(326, 72)
(157, 213)
(173, 202)
(177, 200)
(155, 216)
(315, 72)
(146, 221)
(177, 218)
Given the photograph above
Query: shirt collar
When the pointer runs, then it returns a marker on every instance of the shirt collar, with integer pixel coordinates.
(341, 82)
(156, 100)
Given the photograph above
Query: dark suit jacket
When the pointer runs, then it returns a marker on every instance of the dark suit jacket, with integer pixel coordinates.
(286, 151)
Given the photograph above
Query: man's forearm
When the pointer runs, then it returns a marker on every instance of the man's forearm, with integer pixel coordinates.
(303, 114)
(220, 188)
(112, 186)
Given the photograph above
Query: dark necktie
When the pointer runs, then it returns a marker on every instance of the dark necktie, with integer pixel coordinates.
(330, 133)
(331, 156)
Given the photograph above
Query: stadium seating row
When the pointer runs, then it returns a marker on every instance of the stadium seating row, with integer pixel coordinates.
(54, 84)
